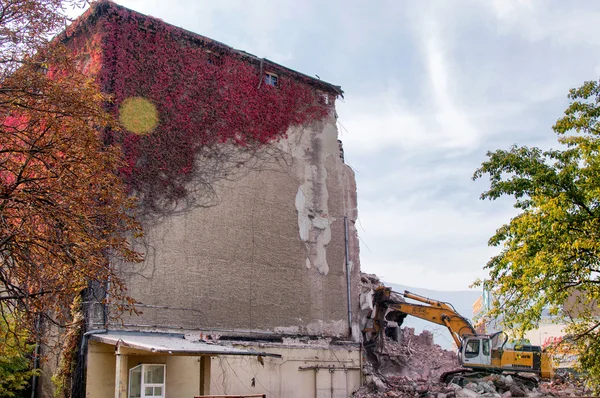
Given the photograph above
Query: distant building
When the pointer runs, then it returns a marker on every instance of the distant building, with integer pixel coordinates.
(481, 306)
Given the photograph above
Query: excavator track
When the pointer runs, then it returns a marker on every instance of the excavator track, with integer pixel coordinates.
(463, 376)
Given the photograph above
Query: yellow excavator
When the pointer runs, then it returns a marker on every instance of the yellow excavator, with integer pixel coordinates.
(478, 354)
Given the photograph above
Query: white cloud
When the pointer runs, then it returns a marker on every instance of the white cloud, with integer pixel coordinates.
(511, 9)
(438, 244)
(536, 20)
(383, 122)
(388, 119)
(454, 121)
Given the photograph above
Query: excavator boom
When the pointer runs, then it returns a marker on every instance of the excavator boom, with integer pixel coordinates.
(435, 311)
(425, 300)
(458, 326)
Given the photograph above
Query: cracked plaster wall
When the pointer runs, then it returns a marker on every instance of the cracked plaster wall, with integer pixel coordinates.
(270, 256)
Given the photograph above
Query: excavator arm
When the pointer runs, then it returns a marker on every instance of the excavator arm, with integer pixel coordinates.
(456, 324)
(435, 311)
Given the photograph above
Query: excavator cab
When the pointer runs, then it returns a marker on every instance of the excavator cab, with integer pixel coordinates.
(476, 351)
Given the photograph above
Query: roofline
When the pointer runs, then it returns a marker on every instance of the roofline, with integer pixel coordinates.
(104, 7)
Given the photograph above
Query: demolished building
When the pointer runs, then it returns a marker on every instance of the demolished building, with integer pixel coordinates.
(248, 209)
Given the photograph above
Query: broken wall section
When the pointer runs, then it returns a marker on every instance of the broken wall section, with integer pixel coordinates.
(398, 362)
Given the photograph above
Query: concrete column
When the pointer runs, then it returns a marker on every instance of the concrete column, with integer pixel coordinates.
(121, 375)
(205, 363)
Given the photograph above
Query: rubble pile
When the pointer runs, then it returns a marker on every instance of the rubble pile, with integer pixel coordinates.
(497, 386)
(566, 387)
(415, 356)
(410, 367)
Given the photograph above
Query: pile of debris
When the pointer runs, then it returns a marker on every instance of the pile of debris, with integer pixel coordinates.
(414, 356)
(412, 366)
(497, 386)
(565, 387)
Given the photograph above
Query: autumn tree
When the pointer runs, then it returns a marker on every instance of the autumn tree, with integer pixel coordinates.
(63, 210)
(550, 257)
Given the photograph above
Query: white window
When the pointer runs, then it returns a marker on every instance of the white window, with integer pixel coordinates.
(147, 380)
(271, 79)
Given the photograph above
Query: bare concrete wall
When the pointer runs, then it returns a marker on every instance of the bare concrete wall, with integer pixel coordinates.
(269, 256)
(300, 373)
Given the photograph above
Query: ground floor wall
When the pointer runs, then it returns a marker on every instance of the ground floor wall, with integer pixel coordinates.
(301, 372)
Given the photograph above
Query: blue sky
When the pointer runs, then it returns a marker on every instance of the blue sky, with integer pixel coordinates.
(430, 87)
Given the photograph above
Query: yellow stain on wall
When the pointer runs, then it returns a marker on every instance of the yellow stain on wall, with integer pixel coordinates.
(138, 115)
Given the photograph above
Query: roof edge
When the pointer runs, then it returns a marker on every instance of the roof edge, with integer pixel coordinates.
(128, 340)
(101, 8)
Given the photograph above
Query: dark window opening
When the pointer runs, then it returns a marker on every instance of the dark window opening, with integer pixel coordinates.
(213, 58)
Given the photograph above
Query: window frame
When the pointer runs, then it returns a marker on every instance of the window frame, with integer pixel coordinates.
(474, 353)
(271, 79)
(143, 383)
(486, 347)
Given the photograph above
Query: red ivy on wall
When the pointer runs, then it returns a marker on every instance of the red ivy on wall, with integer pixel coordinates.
(204, 96)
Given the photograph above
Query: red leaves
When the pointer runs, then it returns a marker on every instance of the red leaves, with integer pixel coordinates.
(200, 102)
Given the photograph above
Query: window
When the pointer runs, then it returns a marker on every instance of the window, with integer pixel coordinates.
(323, 98)
(147, 380)
(271, 79)
(472, 349)
(486, 347)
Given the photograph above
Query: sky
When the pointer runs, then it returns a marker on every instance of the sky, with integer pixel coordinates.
(430, 87)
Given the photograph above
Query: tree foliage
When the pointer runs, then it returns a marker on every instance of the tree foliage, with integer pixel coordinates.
(63, 210)
(15, 366)
(550, 258)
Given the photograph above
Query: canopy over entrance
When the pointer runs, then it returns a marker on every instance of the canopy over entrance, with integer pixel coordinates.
(169, 343)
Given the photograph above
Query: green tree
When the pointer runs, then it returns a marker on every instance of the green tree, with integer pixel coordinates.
(550, 257)
(15, 365)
